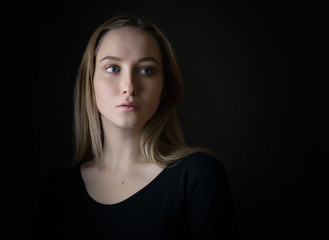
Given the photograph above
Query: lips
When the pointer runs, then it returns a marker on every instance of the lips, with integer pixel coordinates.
(128, 104)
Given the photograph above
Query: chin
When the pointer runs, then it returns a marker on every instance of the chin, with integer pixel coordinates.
(131, 125)
(125, 123)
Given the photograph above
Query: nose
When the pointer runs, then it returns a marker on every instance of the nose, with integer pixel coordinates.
(129, 87)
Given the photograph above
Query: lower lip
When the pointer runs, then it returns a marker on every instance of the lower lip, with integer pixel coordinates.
(128, 108)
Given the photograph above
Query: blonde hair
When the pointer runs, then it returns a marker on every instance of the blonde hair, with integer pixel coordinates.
(162, 140)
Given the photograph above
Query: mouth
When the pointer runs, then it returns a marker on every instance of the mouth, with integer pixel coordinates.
(128, 106)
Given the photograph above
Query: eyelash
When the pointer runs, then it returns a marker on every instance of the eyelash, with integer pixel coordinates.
(151, 69)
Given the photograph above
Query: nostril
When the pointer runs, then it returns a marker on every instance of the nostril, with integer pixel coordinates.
(129, 92)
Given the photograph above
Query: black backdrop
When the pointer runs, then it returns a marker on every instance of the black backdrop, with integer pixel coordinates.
(256, 94)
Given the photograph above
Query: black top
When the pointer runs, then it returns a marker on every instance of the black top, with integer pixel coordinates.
(191, 200)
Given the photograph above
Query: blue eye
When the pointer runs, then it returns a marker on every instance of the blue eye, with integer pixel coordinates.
(112, 69)
(146, 71)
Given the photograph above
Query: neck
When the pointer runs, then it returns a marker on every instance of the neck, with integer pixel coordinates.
(121, 147)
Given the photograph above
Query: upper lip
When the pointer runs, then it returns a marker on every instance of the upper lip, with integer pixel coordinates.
(128, 104)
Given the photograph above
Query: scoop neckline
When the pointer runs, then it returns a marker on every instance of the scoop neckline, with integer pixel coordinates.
(123, 202)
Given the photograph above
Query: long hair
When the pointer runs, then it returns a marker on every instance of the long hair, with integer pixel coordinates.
(162, 140)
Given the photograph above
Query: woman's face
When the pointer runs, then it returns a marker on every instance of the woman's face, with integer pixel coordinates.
(128, 77)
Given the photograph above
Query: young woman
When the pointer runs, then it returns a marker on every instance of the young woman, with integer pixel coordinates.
(133, 177)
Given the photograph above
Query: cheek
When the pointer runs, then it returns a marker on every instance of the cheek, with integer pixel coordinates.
(154, 95)
(103, 93)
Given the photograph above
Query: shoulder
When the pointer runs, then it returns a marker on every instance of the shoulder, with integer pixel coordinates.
(196, 167)
(59, 178)
(201, 177)
(200, 161)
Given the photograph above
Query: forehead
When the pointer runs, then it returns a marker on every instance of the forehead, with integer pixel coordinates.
(128, 43)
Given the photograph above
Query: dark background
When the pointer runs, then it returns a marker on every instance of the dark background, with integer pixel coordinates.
(256, 94)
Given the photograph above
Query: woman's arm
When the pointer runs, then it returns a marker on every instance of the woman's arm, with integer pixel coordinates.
(46, 221)
(211, 208)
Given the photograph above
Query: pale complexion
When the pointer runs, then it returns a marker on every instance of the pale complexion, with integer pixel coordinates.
(128, 83)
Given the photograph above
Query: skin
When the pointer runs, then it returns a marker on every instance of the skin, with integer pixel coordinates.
(128, 69)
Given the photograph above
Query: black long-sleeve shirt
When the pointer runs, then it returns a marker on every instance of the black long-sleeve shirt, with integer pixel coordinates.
(191, 200)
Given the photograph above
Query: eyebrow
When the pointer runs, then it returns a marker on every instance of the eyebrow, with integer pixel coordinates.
(144, 59)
